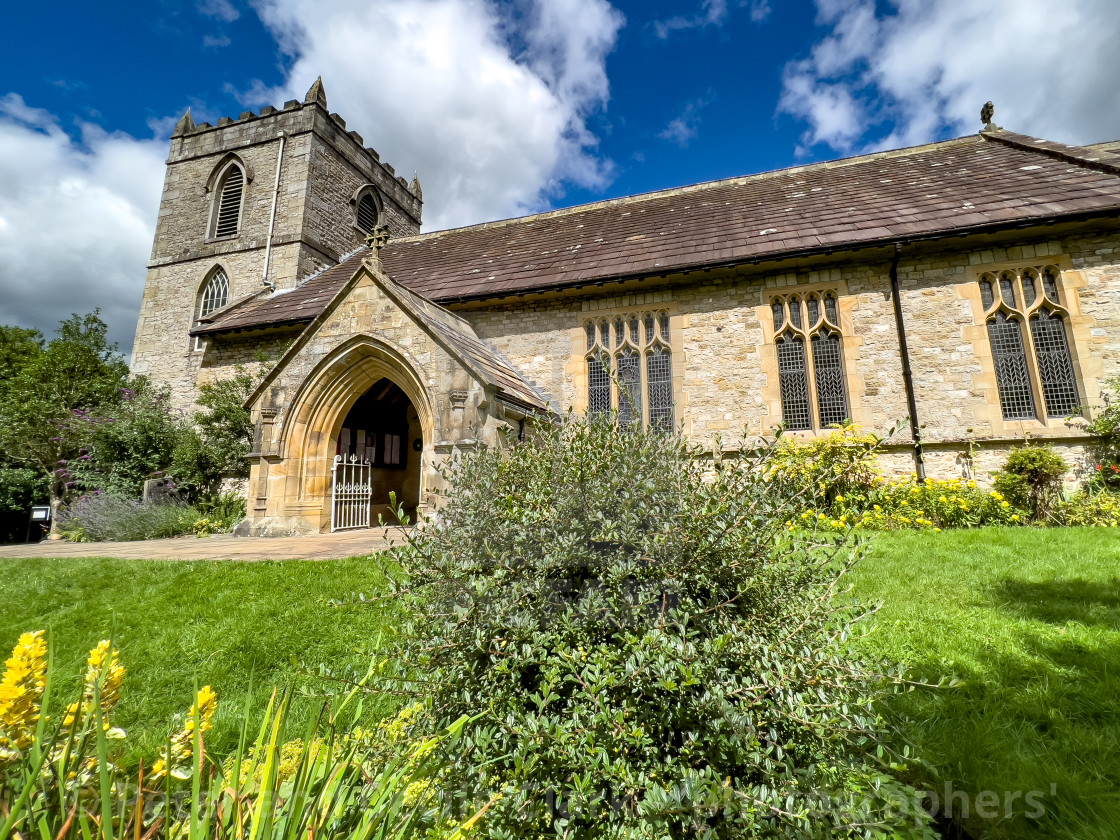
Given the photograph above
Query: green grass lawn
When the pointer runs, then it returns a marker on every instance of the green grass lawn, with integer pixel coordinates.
(217, 623)
(1029, 621)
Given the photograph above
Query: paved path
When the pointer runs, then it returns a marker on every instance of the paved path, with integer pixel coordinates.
(220, 547)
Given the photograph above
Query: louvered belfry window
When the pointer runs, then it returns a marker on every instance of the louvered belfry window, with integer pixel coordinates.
(367, 213)
(215, 294)
(630, 369)
(227, 220)
(811, 384)
(1012, 300)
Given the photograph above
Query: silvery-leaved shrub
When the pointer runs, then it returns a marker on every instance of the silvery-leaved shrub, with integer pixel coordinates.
(645, 647)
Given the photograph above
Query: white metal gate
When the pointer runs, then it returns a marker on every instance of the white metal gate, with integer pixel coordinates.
(351, 492)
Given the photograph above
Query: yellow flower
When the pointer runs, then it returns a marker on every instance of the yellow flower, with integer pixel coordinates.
(104, 669)
(839, 498)
(1014, 517)
(1005, 504)
(201, 715)
(21, 692)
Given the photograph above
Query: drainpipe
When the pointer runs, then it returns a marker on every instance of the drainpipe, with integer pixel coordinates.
(907, 373)
(272, 218)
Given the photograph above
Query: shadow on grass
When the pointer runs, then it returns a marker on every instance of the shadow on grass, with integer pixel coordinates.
(1038, 710)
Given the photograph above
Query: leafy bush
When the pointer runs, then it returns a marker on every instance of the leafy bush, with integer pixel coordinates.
(642, 646)
(1032, 480)
(842, 462)
(1106, 425)
(59, 778)
(106, 516)
(1101, 508)
(219, 514)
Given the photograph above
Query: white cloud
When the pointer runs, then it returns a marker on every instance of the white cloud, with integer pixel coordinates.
(682, 129)
(711, 13)
(489, 104)
(221, 9)
(215, 41)
(923, 70)
(78, 220)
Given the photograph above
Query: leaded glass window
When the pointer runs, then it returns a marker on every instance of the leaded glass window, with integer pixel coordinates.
(1012, 377)
(1055, 367)
(599, 385)
(630, 388)
(639, 386)
(1030, 297)
(812, 385)
(659, 374)
(794, 382)
(829, 373)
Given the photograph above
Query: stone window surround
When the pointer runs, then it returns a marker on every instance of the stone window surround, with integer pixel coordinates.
(641, 304)
(214, 185)
(1086, 367)
(849, 345)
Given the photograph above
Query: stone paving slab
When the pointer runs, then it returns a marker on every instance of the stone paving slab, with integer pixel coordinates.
(220, 547)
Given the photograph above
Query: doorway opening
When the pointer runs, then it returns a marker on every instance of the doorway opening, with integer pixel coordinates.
(381, 430)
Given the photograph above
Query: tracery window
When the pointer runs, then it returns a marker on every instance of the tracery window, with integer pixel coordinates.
(1035, 360)
(212, 297)
(811, 383)
(630, 369)
(227, 207)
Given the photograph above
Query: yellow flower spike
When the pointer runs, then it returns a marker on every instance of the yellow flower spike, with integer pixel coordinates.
(21, 691)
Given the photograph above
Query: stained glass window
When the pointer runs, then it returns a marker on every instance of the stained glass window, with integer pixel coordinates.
(819, 374)
(630, 388)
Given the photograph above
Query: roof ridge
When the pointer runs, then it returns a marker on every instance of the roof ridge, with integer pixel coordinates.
(1079, 155)
(835, 163)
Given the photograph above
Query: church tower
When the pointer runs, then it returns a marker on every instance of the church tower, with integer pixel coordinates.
(253, 206)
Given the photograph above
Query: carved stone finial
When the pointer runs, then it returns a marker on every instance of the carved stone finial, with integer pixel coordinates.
(377, 239)
(414, 188)
(316, 93)
(184, 126)
(986, 114)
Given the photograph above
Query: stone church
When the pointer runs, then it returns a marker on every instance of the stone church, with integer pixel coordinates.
(970, 288)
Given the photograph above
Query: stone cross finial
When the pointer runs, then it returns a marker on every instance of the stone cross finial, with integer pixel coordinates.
(377, 239)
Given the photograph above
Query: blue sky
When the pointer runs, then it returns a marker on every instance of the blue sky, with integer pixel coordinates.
(503, 106)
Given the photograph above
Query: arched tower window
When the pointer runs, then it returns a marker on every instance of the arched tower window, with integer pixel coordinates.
(811, 384)
(1014, 299)
(227, 205)
(367, 213)
(215, 293)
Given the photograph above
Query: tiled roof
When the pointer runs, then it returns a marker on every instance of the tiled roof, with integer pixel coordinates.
(976, 182)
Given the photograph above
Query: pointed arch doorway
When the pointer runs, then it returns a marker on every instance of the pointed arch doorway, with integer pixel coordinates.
(379, 451)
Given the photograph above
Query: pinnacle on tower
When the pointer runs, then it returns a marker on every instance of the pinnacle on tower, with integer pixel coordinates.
(415, 187)
(184, 126)
(316, 93)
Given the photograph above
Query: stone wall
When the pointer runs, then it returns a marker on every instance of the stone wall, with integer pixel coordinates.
(728, 361)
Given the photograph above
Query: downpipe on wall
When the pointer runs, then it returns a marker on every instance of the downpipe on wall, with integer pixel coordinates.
(907, 373)
(272, 217)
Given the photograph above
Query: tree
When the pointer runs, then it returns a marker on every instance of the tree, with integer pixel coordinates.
(49, 393)
(223, 435)
(645, 645)
(20, 487)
